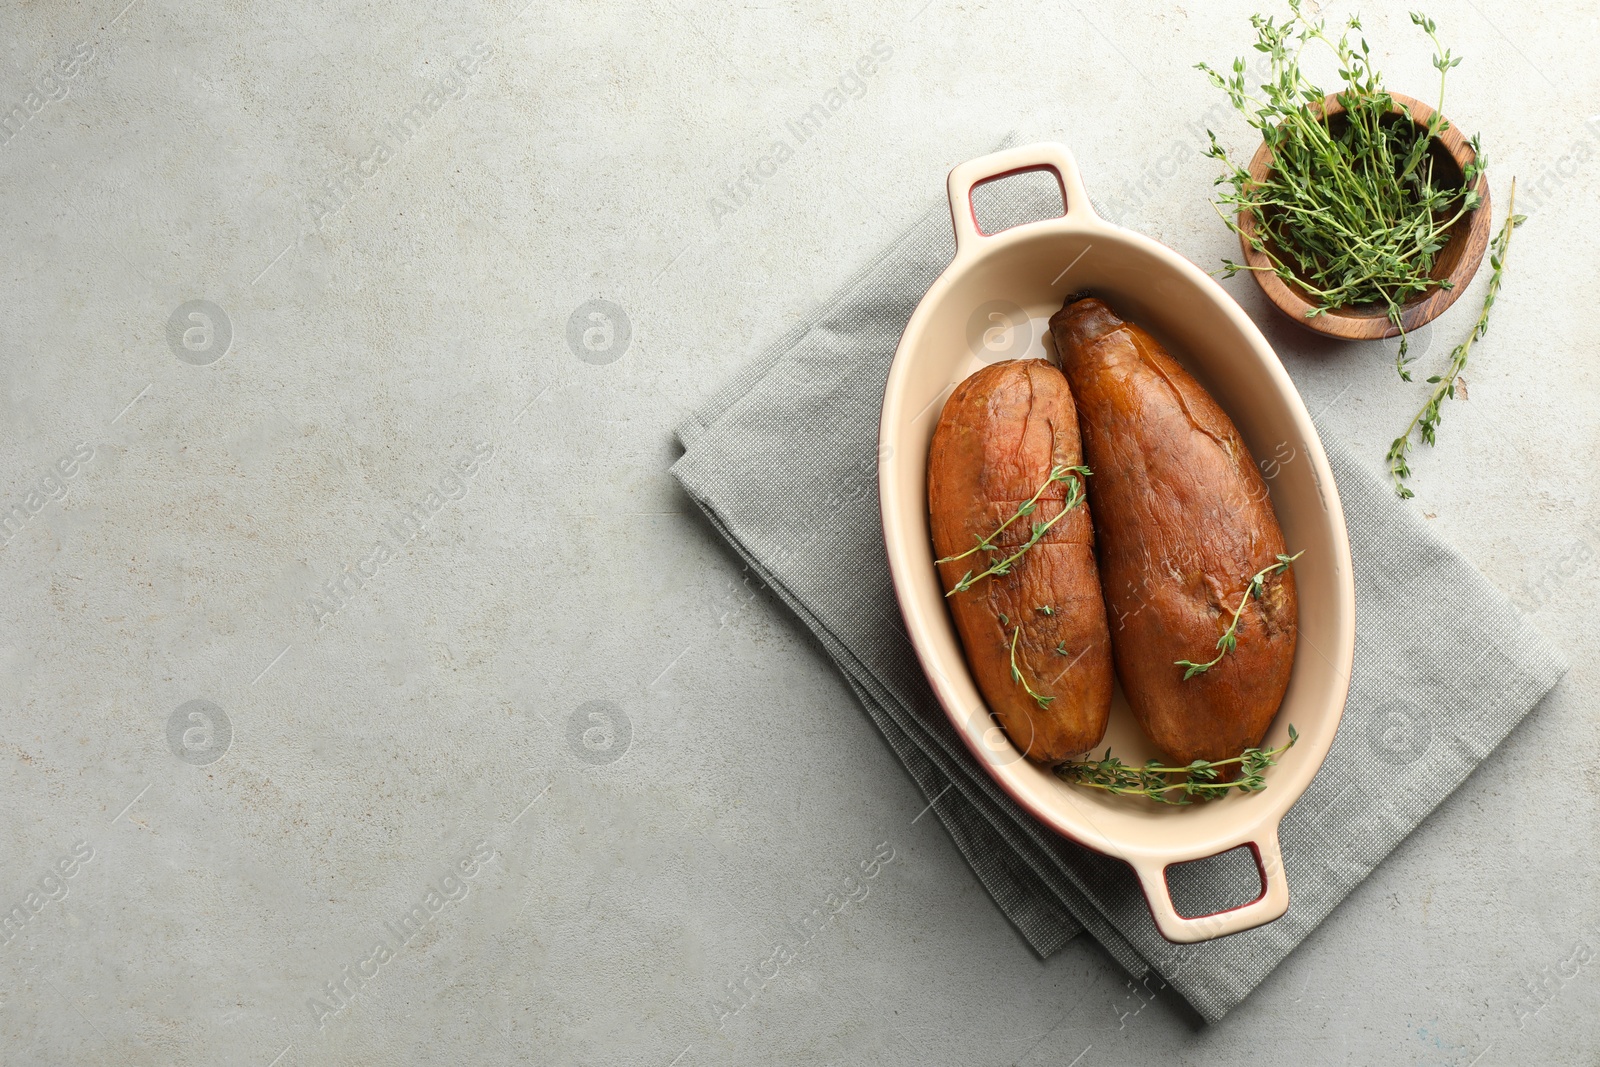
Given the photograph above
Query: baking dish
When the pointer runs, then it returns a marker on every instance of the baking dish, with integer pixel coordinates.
(956, 329)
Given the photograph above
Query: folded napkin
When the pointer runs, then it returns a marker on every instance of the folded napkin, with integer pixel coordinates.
(783, 461)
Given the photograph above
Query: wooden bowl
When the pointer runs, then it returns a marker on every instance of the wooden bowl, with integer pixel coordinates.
(1458, 260)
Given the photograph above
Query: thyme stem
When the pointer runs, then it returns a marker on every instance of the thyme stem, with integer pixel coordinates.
(1230, 637)
(1073, 499)
(1017, 676)
(1444, 385)
(1057, 474)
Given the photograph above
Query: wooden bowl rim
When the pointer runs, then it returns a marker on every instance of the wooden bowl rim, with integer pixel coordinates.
(1371, 323)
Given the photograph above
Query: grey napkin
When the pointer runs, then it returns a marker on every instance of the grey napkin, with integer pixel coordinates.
(783, 463)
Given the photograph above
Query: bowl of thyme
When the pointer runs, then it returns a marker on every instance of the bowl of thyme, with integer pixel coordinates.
(1364, 213)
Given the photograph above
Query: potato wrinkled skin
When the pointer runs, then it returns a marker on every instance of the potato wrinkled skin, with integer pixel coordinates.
(1000, 434)
(1184, 521)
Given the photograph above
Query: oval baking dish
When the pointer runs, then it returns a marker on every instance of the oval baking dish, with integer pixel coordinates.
(1028, 271)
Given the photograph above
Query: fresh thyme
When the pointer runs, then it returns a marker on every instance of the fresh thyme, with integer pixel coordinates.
(1230, 637)
(1199, 779)
(1351, 211)
(986, 544)
(1045, 609)
(1444, 385)
(1016, 673)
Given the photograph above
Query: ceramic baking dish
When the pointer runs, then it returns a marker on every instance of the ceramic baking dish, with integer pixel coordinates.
(1030, 269)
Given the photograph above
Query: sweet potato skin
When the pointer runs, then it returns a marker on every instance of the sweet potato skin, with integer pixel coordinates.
(1000, 434)
(1184, 521)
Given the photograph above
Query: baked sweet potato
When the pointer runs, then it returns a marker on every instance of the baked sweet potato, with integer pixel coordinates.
(1006, 433)
(1184, 522)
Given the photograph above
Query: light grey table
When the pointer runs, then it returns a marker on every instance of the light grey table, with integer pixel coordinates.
(339, 356)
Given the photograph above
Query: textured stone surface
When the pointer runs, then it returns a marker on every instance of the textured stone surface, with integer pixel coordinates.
(563, 671)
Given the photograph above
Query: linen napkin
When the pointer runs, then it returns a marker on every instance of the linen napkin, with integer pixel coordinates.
(783, 462)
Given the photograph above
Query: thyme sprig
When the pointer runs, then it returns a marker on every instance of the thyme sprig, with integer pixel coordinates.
(1351, 211)
(986, 544)
(1016, 673)
(1444, 385)
(1230, 637)
(1199, 780)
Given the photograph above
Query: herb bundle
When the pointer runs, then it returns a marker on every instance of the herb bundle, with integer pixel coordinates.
(1230, 637)
(1199, 780)
(1351, 212)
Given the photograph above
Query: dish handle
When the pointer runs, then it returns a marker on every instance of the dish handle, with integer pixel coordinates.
(1271, 904)
(1045, 155)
